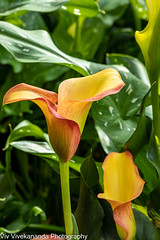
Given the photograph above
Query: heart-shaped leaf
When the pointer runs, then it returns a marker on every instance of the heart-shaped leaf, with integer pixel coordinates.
(116, 116)
(35, 46)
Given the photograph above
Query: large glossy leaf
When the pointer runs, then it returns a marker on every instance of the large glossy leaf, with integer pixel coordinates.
(32, 5)
(87, 8)
(35, 46)
(143, 131)
(44, 151)
(38, 74)
(89, 213)
(116, 116)
(90, 173)
(25, 129)
(145, 229)
(150, 174)
(114, 10)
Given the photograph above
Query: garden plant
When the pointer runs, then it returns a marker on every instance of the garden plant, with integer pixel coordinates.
(80, 119)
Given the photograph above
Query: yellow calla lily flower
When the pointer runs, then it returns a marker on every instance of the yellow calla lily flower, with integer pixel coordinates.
(122, 184)
(66, 112)
(148, 39)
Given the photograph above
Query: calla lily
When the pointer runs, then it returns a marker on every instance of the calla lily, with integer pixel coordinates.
(149, 38)
(122, 184)
(66, 112)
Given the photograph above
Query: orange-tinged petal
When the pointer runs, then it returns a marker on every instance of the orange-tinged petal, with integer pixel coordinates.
(122, 184)
(28, 92)
(64, 134)
(76, 95)
(125, 222)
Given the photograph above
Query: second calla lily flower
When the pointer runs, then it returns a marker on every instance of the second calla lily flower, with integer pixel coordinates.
(122, 184)
(66, 112)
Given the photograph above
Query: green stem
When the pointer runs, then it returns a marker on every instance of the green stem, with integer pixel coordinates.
(78, 33)
(8, 159)
(66, 200)
(46, 227)
(156, 110)
(137, 20)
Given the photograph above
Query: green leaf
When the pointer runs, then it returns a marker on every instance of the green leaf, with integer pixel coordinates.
(75, 227)
(148, 170)
(153, 153)
(39, 73)
(33, 21)
(89, 213)
(33, 147)
(140, 8)
(142, 133)
(89, 172)
(145, 229)
(6, 188)
(108, 230)
(24, 129)
(18, 215)
(91, 31)
(116, 115)
(7, 58)
(44, 150)
(87, 8)
(114, 10)
(154, 206)
(35, 46)
(32, 5)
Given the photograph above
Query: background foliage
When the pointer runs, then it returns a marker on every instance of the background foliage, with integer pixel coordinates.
(71, 39)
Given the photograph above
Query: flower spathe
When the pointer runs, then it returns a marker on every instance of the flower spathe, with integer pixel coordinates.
(66, 112)
(149, 38)
(122, 184)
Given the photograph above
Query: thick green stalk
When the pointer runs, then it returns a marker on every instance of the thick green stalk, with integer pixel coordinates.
(46, 227)
(78, 33)
(137, 20)
(66, 200)
(156, 110)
